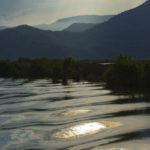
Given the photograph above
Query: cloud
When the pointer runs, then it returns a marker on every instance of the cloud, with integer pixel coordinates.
(14, 12)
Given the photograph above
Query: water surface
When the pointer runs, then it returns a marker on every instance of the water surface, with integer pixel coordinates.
(40, 115)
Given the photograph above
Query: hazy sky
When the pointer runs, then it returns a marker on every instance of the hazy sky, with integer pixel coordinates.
(16, 12)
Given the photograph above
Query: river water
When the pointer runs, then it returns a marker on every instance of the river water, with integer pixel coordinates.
(40, 115)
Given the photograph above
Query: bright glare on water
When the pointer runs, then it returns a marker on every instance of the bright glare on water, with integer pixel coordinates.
(75, 112)
(79, 130)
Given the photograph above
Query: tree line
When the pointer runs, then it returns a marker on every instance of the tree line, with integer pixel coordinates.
(57, 69)
(124, 72)
(128, 73)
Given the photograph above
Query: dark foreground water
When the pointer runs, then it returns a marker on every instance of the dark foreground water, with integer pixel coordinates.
(39, 115)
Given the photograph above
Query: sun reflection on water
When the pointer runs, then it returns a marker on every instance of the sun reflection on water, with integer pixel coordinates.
(75, 112)
(84, 129)
(118, 149)
(79, 130)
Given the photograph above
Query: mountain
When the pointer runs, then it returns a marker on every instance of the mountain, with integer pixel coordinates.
(29, 42)
(79, 27)
(62, 24)
(3, 27)
(127, 33)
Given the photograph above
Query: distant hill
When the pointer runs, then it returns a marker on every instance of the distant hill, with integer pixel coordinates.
(29, 42)
(79, 27)
(62, 24)
(127, 33)
(3, 27)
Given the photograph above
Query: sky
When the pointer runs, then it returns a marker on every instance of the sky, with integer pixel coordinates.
(33, 12)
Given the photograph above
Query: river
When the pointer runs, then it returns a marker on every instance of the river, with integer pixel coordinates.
(40, 115)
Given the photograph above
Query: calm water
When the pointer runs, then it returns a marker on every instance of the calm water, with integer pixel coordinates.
(40, 115)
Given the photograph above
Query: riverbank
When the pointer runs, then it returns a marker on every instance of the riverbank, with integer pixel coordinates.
(128, 73)
(122, 73)
(57, 70)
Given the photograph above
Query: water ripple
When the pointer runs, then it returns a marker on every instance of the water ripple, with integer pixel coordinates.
(40, 115)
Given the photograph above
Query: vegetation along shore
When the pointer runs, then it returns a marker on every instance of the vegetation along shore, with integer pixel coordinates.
(124, 72)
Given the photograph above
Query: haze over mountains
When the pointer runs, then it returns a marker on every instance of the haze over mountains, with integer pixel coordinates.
(127, 33)
(2, 27)
(79, 27)
(71, 23)
(64, 23)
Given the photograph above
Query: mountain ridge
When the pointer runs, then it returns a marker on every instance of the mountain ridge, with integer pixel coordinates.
(127, 33)
(3, 27)
(117, 36)
(79, 27)
(63, 23)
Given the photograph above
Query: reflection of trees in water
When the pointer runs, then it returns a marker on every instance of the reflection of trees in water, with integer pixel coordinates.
(145, 133)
